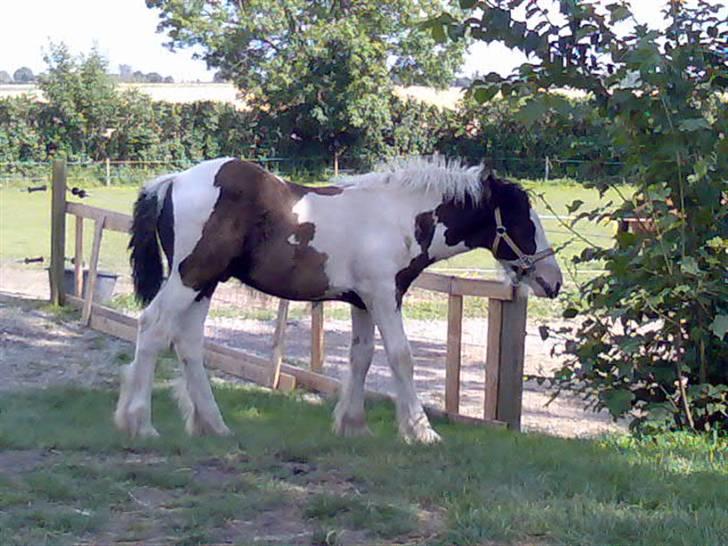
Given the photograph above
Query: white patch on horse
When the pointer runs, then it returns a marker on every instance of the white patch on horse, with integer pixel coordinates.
(193, 199)
(542, 242)
(380, 222)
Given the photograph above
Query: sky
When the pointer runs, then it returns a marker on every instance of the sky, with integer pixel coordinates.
(124, 31)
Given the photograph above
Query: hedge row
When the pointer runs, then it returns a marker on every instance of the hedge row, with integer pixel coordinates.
(501, 133)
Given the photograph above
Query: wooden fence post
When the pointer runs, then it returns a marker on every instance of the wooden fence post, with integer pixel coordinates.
(58, 231)
(78, 258)
(93, 269)
(317, 336)
(505, 358)
(278, 347)
(454, 352)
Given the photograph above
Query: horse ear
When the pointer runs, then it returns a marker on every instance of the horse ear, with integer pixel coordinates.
(488, 180)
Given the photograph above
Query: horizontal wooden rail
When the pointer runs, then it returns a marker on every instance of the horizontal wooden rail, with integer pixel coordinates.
(115, 221)
(252, 367)
(457, 286)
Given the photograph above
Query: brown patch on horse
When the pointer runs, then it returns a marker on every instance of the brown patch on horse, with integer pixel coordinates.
(424, 232)
(249, 236)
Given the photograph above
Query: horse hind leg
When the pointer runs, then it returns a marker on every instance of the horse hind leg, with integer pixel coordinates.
(157, 322)
(193, 392)
(349, 418)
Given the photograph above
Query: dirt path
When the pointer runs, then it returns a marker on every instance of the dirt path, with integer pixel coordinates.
(40, 348)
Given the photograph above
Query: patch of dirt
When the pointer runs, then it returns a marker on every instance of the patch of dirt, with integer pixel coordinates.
(40, 349)
(14, 461)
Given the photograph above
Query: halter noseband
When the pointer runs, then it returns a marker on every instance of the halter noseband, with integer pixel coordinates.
(524, 262)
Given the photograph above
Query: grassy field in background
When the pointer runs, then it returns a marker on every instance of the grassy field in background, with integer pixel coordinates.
(25, 228)
(66, 477)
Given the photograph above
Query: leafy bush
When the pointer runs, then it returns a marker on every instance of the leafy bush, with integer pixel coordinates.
(650, 334)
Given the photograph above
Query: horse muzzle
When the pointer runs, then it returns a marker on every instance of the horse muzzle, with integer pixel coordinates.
(545, 279)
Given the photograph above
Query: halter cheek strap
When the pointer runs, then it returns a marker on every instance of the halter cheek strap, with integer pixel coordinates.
(524, 262)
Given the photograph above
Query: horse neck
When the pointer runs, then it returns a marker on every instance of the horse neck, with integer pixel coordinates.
(461, 226)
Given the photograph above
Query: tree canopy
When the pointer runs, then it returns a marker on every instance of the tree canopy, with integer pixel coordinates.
(326, 68)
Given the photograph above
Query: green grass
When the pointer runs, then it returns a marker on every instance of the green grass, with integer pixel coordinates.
(66, 477)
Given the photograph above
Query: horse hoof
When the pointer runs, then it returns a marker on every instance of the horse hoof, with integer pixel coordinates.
(351, 427)
(201, 428)
(148, 432)
(421, 435)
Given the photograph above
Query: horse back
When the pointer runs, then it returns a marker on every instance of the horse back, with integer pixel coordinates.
(253, 234)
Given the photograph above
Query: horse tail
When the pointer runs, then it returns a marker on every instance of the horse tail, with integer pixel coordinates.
(145, 256)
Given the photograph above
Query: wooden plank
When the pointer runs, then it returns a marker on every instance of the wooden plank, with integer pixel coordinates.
(433, 282)
(92, 270)
(58, 231)
(232, 361)
(230, 351)
(279, 336)
(317, 336)
(313, 381)
(434, 412)
(493, 359)
(512, 355)
(484, 288)
(78, 258)
(115, 221)
(112, 327)
(448, 284)
(454, 350)
(253, 368)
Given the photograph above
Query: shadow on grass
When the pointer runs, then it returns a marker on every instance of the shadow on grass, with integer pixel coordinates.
(66, 475)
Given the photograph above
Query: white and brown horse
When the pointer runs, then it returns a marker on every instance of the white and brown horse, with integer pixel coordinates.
(363, 242)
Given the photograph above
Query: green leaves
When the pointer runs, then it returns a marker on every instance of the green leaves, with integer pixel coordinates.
(618, 402)
(484, 93)
(690, 266)
(658, 313)
(719, 326)
(693, 124)
(618, 12)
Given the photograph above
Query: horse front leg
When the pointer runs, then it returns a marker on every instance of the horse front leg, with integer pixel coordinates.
(414, 426)
(349, 419)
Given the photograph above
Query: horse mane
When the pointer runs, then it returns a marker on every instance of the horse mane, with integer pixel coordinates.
(451, 178)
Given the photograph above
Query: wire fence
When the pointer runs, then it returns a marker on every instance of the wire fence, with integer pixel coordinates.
(134, 172)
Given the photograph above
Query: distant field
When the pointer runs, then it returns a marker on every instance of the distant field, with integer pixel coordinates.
(228, 93)
(24, 225)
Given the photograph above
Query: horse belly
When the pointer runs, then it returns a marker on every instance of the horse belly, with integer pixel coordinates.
(285, 270)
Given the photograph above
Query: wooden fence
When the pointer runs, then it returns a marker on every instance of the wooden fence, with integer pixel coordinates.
(505, 340)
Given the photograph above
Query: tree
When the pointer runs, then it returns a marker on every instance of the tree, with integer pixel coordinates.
(5, 77)
(23, 75)
(650, 335)
(322, 69)
(153, 77)
(82, 101)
